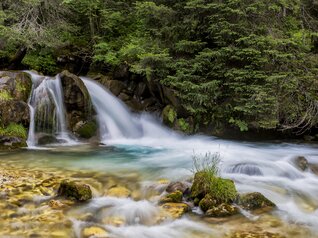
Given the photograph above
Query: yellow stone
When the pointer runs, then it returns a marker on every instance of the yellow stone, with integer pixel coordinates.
(175, 210)
(94, 231)
(121, 192)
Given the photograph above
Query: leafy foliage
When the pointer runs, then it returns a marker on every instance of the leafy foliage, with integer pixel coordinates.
(249, 64)
(16, 130)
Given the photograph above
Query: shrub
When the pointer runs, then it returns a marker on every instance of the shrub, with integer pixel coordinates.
(13, 129)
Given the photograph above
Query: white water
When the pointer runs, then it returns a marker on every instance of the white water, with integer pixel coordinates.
(264, 167)
(47, 111)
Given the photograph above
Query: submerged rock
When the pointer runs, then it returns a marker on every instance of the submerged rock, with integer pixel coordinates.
(253, 201)
(75, 191)
(94, 231)
(119, 191)
(222, 210)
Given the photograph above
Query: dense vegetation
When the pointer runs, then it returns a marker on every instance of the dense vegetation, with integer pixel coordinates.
(249, 64)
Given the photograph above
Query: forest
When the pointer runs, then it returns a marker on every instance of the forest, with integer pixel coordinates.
(243, 64)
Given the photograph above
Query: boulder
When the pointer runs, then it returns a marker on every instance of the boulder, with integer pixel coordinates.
(255, 234)
(75, 191)
(76, 99)
(253, 201)
(14, 111)
(173, 197)
(222, 210)
(45, 139)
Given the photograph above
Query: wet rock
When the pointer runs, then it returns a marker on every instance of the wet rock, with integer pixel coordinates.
(173, 197)
(301, 162)
(94, 231)
(177, 186)
(119, 191)
(208, 202)
(222, 210)
(10, 142)
(14, 111)
(175, 210)
(114, 221)
(253, 201)
(76, 99)
(75, 191)
(45, 139)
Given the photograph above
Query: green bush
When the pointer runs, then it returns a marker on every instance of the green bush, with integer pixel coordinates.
(13, 129)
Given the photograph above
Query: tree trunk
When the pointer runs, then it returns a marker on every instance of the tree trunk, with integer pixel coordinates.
(17, 59)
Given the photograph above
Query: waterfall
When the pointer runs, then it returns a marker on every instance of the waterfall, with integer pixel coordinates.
(115, 120)
(47, 111)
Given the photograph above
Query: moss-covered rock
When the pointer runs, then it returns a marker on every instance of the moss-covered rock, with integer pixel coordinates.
(252, 201)
(222, 210)
(208, 202)
(222, 190)
(178, 186)
(174, 197)
(75, 191)
(199, 187)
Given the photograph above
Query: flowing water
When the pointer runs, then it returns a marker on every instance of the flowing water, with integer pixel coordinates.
(139, 152)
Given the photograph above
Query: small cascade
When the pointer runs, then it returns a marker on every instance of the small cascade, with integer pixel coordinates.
(47, 112)
(115, 120)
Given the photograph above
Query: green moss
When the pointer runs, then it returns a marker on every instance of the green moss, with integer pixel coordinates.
(15, 130)
(41, 62)
(5, 95)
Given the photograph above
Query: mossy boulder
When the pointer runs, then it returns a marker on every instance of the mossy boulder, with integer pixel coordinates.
(222, 210)
(208, 202)
(255, 234)
(301, 162)
(95, 231)
(253, 201)
(174, 197)
(75, 191)
(222, 190)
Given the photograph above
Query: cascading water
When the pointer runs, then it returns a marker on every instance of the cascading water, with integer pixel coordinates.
(47, 113)
(255, 167)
